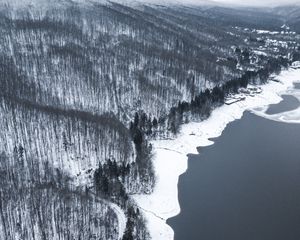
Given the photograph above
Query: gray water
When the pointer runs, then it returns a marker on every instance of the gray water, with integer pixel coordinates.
(288, 103)
(297, 85)
(244, 187)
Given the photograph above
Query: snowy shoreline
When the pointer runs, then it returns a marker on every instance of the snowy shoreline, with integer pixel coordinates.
(170, 159)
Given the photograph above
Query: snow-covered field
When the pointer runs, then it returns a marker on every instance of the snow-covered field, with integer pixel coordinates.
(171, 155)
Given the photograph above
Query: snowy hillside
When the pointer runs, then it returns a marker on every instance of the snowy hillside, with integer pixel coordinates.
(86, 85)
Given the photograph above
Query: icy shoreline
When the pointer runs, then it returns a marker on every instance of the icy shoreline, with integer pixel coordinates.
(170, 159)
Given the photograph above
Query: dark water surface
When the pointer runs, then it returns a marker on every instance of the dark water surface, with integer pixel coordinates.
(297, 85)
(244, 187)
(288, 103)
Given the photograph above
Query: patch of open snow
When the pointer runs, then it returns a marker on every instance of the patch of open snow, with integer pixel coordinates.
(265, 32)
(260, 53)
(171, 155)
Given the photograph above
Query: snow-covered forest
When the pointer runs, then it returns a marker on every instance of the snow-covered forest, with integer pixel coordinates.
(84, 86)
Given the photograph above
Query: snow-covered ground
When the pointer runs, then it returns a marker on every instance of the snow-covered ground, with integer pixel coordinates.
(122, 220)
(171, 155)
